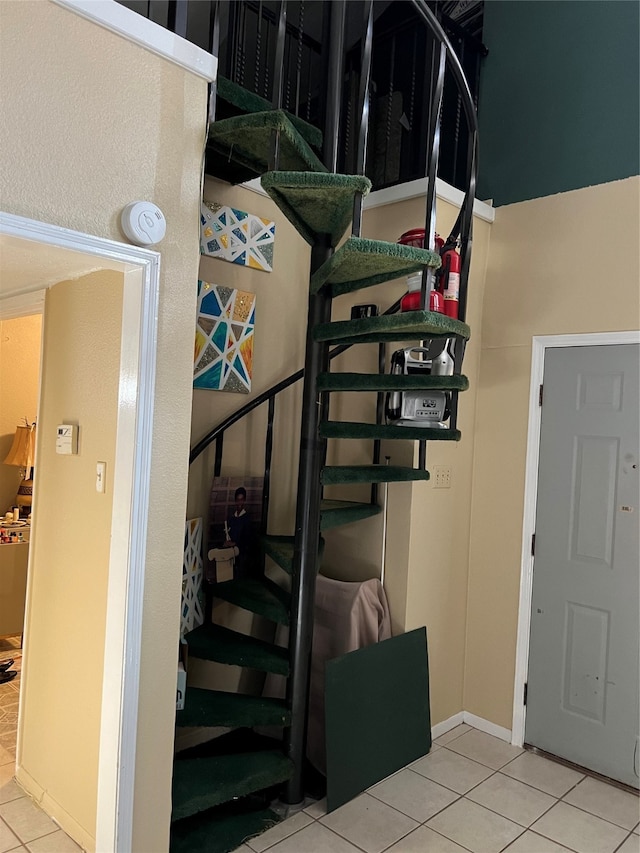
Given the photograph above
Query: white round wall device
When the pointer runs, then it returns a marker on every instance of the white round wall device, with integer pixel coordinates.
(143, 222)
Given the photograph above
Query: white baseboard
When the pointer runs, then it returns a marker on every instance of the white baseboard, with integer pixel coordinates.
(471, 720)
(446, 725)
(486, 726)
(54, 810)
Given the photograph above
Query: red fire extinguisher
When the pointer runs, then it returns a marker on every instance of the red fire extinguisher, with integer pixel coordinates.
(449, 280)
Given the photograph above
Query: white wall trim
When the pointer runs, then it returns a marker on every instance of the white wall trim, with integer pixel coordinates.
(418, 189)
(22, 305)
(539, 346)
(486, 726)
(445, 726)
(471, 720)
(119, 719)
(403, 192)
(140, 30)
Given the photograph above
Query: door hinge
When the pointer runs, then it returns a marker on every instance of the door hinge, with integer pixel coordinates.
(533, 544)
(524, 698)
(540, 394)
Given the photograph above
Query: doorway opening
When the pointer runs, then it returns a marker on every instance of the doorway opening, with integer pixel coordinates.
(41, 263)
(591, 447)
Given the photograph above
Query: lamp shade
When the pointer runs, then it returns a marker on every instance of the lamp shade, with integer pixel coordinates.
(23, 449)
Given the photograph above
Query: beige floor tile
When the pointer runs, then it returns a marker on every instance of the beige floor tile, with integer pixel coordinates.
(8, 788)
(530, 842)
(413, 795)
(243, 849)
(26, 819)
(314, 838)
(8, 840)
(6, 757)
(631, 845)
(317, 809)
(56, 842)
(369, 823)
(485, 749)
(452, 734)
(578, 830)
(511, 798)
(454, 771)
(425, 840)
(279, 832)
(475, 827)
(539, 772)
(606, 801)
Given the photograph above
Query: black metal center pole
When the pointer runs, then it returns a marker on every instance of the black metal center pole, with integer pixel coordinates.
(307, 539)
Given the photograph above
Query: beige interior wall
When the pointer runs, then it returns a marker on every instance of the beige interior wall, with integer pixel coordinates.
(70, 543)
(563, 264)
(428, 529)
(279, 343)
(94, 123)
(281, 311)
(19, 383)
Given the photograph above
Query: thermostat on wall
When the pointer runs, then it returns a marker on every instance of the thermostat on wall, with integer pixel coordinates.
(143, 222)
(67, 438)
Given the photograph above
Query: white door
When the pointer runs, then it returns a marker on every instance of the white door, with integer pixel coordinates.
(582, 697)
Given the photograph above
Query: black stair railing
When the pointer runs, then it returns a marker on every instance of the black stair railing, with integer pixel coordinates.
(312, 446)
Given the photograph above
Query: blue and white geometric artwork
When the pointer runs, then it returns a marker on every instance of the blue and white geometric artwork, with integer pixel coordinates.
(236, 236)
(223, 355)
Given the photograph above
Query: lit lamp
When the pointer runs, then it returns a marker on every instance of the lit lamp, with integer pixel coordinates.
(22, 454)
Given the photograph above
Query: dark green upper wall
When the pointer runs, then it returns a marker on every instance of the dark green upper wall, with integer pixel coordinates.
(559, 99)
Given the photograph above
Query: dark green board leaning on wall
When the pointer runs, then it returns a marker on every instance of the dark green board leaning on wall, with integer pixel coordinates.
(377, 713)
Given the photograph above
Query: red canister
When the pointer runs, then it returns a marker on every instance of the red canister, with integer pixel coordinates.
(415, 238)
(411, 300)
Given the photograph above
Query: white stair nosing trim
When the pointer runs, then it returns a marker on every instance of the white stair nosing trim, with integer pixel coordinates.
(487, 726)
(445, 726)
(404, 192)
(140, 30)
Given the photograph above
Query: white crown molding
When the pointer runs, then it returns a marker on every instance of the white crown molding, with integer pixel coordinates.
(406, 191)
(134, 27)
(418, 189)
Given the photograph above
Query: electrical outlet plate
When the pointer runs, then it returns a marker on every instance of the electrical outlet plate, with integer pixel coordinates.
(441, 477)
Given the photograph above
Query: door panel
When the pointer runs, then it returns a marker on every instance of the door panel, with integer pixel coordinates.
(584, 660)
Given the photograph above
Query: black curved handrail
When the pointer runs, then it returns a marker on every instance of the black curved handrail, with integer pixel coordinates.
(267, 395)
(461, 229)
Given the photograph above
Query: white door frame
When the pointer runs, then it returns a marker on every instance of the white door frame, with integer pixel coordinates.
(539, 347)
(119, 715)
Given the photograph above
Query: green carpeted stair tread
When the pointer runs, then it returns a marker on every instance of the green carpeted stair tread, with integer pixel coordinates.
(361, 262)
(407, 326)
(259, 595)
(348, 474)
(201, 783)
(214, 642)
(219, 708)
(389, 382)
(250, 102)
(280, 549)
(336, 513)
(220, 830)
(351, 429)
(240, 146)
(316, 202)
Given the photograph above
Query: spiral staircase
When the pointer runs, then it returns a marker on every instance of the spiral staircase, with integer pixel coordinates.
(222, 788)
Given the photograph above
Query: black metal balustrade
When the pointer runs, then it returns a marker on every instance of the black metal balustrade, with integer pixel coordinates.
(339, 66)
(400, 73)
